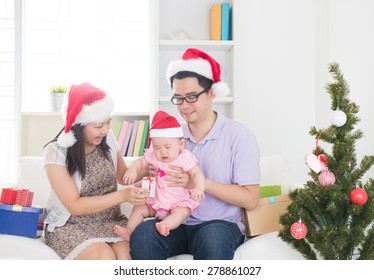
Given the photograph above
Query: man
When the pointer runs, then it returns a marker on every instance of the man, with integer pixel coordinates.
(228, 156)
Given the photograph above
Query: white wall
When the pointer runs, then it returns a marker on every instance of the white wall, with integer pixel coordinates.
(284, 49)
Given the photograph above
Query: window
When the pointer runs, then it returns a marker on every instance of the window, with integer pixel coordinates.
(104, 42)
(8, 118)
(45, 42)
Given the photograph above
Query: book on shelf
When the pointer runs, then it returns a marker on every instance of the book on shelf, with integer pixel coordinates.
(138, 139)
(117, 127)
(215, 22)
(225, 21)
(127, 139)
(130, 150)
(122, 133)
(144, 142)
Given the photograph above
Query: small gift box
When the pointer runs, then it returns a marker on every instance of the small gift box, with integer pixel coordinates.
(8, 196)
(21, 220)
(24, 197)
(149, 183)
(267, 191)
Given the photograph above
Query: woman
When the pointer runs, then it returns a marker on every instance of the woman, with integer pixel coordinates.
(83, 164)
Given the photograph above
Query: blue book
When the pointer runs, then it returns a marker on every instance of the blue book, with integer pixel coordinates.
(225, 21)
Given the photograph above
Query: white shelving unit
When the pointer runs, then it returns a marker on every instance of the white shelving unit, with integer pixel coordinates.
(38, 128)
(191, 17)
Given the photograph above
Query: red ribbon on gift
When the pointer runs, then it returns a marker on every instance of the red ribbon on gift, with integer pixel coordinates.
(8, 196)
(151, 180)
(24, 197)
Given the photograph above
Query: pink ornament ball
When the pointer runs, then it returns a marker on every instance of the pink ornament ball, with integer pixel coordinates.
(359, 196)
(326, 178)
(298, 230)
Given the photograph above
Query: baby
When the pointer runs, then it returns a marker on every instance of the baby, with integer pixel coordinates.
(171, 205)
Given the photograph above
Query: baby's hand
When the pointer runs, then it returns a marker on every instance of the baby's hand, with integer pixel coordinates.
(130, 176)
(197, 194)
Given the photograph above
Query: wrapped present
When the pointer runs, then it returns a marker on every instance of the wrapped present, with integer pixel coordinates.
(8, 196)
(149, 183)
(21, 220)
(12, 196)
(265, 217)
(266, 191)
(24, 197)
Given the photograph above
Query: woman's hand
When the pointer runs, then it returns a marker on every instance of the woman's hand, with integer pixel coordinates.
(177, 177)
(135, 195)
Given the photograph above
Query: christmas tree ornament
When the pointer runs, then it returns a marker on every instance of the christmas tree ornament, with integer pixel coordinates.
(298, 230)
(316, 162)
(338, 118)
(359, 196)
(326, 178)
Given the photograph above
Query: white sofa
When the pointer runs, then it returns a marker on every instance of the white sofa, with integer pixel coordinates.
(274, 169)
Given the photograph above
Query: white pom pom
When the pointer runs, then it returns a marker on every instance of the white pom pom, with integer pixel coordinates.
(66, 140)
(221, 89)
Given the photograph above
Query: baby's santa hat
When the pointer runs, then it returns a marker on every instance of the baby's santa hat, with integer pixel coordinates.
(86, 104)
(165, 125)
(199, 62)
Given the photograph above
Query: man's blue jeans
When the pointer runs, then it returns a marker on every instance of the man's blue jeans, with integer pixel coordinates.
(213, 240)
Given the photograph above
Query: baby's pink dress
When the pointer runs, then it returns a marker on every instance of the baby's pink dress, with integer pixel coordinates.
(168, 198)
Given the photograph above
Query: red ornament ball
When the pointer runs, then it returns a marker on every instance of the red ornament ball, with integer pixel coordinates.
(298, 230)
(326, 178)
(359, 196)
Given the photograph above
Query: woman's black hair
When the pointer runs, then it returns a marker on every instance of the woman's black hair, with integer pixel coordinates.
(75, 156)
(203, 81)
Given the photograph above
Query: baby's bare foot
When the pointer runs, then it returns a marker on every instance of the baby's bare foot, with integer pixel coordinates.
(122, 232)
(163, 229)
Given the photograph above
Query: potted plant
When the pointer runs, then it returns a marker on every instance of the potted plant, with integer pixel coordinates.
(58, 95)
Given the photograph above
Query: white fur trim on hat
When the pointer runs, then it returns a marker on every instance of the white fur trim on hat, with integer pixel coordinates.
(199, 66)
(96, 112)
(173, 132)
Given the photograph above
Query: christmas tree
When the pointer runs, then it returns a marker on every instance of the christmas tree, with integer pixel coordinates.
(331, 216)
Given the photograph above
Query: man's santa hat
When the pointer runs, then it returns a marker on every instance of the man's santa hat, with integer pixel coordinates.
(86, 104)
(199, 62)
(164, 125)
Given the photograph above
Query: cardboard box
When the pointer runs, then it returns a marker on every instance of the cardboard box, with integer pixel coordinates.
(265, 218)
(21, 220)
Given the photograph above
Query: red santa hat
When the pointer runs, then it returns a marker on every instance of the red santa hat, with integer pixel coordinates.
(199, 62)
(165, 125)
(86, 104)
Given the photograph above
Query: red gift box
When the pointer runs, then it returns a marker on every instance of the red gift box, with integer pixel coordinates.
(8, 196)
(21, 197)
(24, 197)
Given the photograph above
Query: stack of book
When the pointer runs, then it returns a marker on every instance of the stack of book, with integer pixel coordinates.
(132, 137)
(220, 22)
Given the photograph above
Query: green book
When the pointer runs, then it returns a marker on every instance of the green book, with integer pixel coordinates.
(144, 142)
(117, 127)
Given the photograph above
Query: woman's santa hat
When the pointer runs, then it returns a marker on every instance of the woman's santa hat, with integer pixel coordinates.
(165, 125)
(199, 62)
(86, 104)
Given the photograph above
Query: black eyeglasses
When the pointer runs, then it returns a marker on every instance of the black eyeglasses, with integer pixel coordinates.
(192, 98)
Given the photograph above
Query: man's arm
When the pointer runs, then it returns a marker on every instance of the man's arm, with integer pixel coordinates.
(244, 196)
